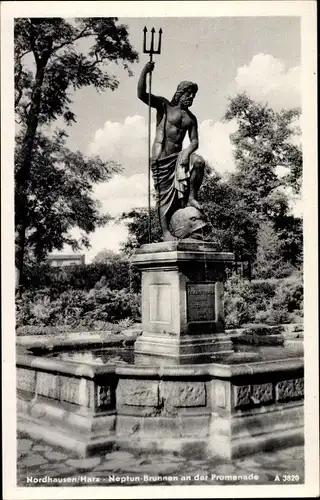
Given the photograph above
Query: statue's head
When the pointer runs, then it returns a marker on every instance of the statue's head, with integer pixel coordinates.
(185, 94)
(187, 223)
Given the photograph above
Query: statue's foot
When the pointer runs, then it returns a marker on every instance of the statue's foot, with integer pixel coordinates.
(192, 202)
(167, 236)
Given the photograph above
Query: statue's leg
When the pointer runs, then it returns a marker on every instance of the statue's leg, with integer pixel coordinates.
(196, 178)
(164, 219)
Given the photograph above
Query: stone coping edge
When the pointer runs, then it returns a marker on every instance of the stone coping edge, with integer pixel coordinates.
(78, 369)
(73, 368)
(181, 256)
(86, 339)
(184, 244)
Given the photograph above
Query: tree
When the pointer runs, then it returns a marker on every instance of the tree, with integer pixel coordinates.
(136, 221)
(269, 262)
(105, 256)
(262, 143)
(118, 270)
(59, 195)
(232, 227)
(61, 65)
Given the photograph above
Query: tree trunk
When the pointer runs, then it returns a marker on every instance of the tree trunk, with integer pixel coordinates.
(23, 174)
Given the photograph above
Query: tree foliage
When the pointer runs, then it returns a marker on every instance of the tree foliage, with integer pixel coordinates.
(60, 195)
(270, 261)
(136, 221)
(62, 64)
(53, 58)
(262, 143)
(232, 227)
(106, 256)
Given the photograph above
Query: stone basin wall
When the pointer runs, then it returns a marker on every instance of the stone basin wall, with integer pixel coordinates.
(227, 410)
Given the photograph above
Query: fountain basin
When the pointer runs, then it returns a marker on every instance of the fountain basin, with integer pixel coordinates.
(230, 407)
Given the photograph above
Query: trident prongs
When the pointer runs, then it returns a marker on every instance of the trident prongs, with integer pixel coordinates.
(145, 40)
(159, 42)
(151, 49)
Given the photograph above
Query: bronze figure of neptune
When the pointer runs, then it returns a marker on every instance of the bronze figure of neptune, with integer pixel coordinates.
(177, 172)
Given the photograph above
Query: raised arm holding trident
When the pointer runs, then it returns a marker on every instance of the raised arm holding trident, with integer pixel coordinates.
(177, 172)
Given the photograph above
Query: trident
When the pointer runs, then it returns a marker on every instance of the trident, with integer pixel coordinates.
(150, 51)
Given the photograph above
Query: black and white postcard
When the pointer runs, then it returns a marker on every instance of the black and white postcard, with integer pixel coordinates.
(159, 236)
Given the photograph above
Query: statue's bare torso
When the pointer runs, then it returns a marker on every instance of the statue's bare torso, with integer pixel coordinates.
(172, 125)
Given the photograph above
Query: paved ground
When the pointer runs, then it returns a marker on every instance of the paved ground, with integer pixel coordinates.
(40, 464)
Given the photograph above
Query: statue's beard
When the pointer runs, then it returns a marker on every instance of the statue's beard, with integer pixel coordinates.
(186, 104)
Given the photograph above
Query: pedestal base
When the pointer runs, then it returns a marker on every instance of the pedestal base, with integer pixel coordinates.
(187, 348)
(182, 300)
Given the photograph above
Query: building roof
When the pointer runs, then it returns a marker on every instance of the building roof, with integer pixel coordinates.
(65, 256)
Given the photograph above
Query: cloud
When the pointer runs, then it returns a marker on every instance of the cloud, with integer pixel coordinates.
(124, 142)
(123, 193)
(215, 145)
(119, 195)
(110, 237)
(266, 78)
(115, 139)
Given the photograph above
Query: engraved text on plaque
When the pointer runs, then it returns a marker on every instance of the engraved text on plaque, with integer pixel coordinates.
(201, 301)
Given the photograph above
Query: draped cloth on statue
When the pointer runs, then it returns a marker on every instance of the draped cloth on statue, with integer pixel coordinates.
(171, 181)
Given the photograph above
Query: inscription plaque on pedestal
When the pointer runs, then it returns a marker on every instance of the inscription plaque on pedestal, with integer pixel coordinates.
(201, 302)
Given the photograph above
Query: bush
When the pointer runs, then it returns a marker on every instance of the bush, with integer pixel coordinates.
(76, 308)
(239, 302)
(113, 305)
(289, 294)
(38, 330)
(58, 330)
(273, 302)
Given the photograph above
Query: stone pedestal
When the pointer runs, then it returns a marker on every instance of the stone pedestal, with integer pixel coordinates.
(182, 300)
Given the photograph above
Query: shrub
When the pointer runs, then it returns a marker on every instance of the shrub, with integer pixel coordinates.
(273, 302)
(239, 302)
(76, 308)
(289, 294)
(112, 305)
(126, 322)
(58, 330)
(38, 330)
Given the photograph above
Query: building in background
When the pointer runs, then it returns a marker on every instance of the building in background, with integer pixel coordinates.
(60, 260)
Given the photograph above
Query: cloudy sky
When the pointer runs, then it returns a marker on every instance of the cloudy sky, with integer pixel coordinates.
(259, 55)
